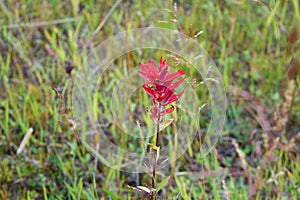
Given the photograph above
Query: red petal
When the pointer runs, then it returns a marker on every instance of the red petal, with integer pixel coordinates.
(162, 64)
(175, 85)
(144, 66)
(181, 72)
(173, 97)
(165, 96)
(149, 90)
(144, 74)
(152, 67)
(171, 77)
(167, 111)
(163, 73)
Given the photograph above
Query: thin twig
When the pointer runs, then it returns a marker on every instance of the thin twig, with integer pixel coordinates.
(43, 23)
(102, 23)
(25, 140)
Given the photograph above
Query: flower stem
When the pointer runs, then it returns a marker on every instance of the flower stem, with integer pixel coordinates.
(157, 144)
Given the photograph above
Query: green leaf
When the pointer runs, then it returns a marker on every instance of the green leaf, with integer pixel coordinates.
(162, 184)
(110, 194)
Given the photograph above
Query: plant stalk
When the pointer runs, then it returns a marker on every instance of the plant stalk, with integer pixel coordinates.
(156, 143)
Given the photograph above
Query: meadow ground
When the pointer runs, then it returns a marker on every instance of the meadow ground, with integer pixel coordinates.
(254, 44)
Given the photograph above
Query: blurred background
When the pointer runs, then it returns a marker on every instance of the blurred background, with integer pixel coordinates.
(255, 45)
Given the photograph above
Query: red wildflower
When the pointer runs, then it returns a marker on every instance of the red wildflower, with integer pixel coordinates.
(159, 85)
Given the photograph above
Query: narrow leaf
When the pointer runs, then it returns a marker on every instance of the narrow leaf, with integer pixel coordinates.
(165, 124)
(162, 184)
(110, 194)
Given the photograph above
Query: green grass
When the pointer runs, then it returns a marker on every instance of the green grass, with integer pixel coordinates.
(249, 42)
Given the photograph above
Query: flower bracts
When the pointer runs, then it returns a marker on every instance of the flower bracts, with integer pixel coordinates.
(160, 86)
